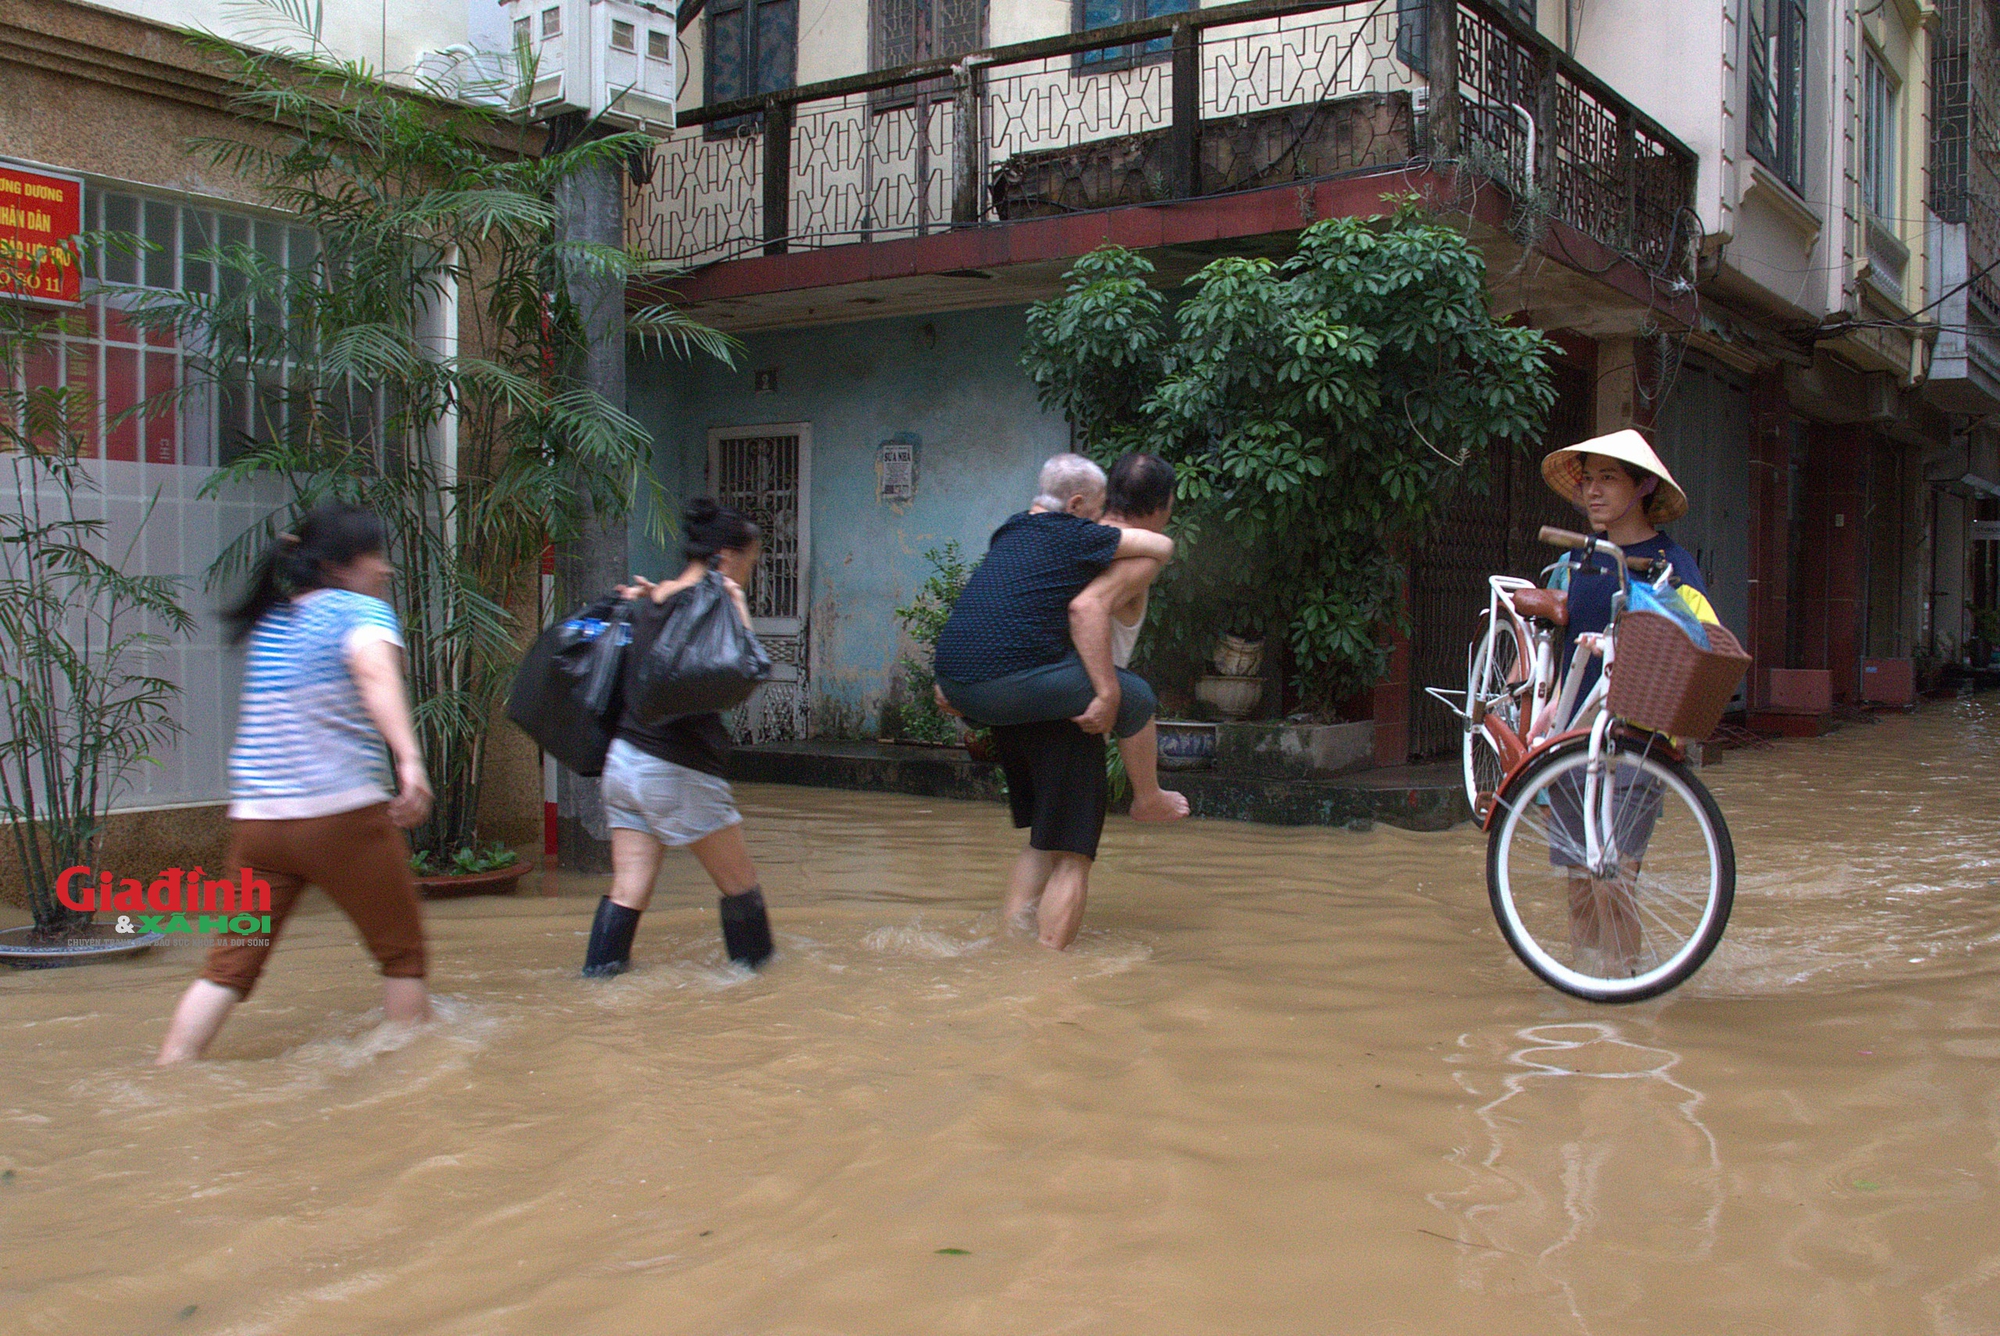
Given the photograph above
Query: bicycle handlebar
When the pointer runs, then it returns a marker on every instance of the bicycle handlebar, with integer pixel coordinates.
(1579, 542)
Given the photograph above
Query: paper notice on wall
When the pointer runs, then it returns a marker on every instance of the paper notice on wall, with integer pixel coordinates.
(896, 470)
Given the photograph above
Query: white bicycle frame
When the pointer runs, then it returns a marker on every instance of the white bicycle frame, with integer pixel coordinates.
(1535, 647)
(1548, 713)
(1600, 836)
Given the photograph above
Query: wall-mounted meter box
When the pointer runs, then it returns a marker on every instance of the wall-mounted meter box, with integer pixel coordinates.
(609, 58)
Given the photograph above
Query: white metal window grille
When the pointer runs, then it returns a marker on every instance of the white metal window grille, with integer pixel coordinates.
(762, 472)
(1776, 65)
(765, 472)
(156, 467)
(1088, 14)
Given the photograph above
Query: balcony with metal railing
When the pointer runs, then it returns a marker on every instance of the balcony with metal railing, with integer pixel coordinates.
(1196, 106)
(1964, 252)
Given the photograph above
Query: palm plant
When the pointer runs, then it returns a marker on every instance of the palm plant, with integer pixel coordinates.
(414, 361)
(77, 633)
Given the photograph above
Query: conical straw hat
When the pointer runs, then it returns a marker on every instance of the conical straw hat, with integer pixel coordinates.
(1563, 470)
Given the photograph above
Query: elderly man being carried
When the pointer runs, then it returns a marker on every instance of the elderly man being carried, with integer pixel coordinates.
(1028, 650)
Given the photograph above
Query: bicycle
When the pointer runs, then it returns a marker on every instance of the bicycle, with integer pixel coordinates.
(1609, 865)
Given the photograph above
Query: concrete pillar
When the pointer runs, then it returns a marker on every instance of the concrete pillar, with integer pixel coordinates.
(1833, 554)
(592, 207)
(1770, 534)
(1617, 390)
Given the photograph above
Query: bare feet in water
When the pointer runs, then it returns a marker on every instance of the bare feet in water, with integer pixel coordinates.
(1160, 805)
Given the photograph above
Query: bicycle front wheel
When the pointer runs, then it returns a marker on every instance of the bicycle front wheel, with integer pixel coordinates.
(1647, 915)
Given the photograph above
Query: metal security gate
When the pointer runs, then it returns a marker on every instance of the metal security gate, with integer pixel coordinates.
(1448, 573)
(1702, 432)
(1479, 535)
(765, 472)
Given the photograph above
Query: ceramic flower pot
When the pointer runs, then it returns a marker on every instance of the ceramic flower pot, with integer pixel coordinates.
(496, 881)
(89, 944)
(1237, 657)
(1233, 696)
(1186, 744)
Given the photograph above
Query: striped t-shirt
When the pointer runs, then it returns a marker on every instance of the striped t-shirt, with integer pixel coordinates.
(305, 746)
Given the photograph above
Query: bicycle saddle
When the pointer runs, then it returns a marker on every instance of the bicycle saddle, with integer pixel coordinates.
(1549, 605)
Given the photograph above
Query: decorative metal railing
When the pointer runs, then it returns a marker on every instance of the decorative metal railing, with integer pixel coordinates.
(1965, 135)
(1187, 105)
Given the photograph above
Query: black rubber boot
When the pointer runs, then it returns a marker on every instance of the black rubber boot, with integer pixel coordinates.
(611, 933)
(746, 931)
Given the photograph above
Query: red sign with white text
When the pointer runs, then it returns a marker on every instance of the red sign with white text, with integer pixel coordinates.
(40, 216)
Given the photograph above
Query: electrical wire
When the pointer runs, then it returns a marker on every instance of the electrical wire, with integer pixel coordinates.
(1955, 291)
(1833, 329)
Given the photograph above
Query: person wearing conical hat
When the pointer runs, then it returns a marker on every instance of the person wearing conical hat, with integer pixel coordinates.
(1626, 493)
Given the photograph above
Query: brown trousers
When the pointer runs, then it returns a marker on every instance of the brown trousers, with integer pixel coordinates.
(359, 858)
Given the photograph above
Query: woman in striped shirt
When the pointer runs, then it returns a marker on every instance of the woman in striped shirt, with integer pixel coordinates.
(313, 799)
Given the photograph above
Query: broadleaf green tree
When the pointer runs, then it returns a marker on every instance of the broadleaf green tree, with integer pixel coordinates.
(1320, 411)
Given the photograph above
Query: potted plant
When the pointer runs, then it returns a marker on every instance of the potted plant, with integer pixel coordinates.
(422, 210)
(77, 638)
(1186, 744)
(1236, 687)
(1239, 652)
(493, 869)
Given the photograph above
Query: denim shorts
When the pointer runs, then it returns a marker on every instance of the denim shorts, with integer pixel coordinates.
(673, 804)
(1636, 803)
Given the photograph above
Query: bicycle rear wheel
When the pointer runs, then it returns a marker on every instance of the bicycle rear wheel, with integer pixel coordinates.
(1495, 690)
(1652, 914)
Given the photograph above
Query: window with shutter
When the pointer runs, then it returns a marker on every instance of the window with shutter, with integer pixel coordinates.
(911, 30)
(1775, 75)
(752, 47)
(906, 31)
(1088, 14)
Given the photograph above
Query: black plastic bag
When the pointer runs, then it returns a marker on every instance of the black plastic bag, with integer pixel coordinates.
(704, 661)
(566, 695)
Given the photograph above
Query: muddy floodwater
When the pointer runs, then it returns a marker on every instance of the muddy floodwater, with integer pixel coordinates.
(1289, 1081)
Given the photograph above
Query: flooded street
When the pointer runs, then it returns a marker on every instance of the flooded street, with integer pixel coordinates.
(1290, 1081)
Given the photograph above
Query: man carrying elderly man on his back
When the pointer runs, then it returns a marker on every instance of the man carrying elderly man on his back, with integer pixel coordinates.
(1035, 648)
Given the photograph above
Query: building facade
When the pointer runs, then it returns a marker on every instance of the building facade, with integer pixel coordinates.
(1840, 376)
(111, 105)
(872, 203)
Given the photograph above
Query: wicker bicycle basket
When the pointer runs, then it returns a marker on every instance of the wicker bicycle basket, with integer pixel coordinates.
(1663, 681)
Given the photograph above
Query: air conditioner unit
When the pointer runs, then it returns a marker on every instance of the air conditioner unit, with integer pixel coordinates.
(614, 59)
(486, 78)
(1881, 400)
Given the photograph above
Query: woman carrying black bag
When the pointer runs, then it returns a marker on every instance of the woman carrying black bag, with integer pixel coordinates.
(664, 782)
